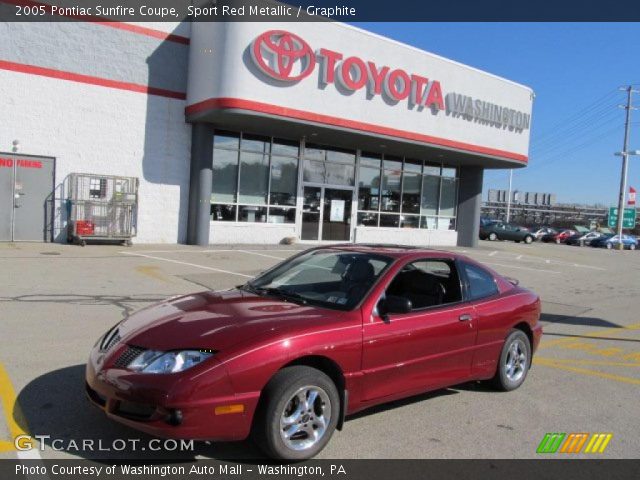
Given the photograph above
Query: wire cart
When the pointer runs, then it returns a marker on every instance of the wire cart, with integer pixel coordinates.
(102, 207)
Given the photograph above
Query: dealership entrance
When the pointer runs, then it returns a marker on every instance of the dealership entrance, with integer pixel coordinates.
(326, 213)
(26, 189)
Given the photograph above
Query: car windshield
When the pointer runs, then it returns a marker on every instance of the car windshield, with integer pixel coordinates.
(330, 278)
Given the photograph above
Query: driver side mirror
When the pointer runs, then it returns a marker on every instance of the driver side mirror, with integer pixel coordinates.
(393, 304)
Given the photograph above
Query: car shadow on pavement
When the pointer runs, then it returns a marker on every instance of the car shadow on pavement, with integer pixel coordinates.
(401, 403)
(55, 405)
(578, 321)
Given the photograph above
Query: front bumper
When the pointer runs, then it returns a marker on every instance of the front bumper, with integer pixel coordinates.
(181, 406)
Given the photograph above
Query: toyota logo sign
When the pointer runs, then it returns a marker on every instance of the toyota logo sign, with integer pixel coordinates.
(283, 56)
(286, 57)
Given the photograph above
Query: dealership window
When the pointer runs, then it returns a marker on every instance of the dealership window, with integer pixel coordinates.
(331, 166)
(254, 178)
(405, 193)
(391, 181)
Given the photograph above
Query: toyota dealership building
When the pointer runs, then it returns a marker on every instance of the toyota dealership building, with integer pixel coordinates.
(252, 132)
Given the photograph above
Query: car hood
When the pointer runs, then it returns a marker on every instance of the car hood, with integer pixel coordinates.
(213, 320)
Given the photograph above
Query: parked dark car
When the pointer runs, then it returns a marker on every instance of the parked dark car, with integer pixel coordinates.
(613, 241)
(505, 231)
(580, 239)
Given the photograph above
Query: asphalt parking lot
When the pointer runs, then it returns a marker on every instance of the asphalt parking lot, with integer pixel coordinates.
(56, 300)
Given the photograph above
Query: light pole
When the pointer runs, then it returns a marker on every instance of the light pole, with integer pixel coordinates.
(625, 154)
(623, 188)
(509, 195)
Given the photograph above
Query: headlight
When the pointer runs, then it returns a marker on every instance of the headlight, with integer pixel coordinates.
(152, 361)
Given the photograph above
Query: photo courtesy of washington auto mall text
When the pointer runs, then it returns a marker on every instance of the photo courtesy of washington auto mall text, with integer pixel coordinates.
(196, 470)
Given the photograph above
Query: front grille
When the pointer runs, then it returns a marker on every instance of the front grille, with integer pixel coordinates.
(135, 411)
(127, 356)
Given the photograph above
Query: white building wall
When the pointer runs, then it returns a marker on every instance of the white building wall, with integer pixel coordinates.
(252, 233)
(400, 236)
(95, 129)
(92, 129)
(221, 69)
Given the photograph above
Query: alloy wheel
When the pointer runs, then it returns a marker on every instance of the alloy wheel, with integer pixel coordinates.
(516, 361)
(305, 418)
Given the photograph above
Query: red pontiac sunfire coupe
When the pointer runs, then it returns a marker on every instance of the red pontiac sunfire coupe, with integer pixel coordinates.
(323, 334)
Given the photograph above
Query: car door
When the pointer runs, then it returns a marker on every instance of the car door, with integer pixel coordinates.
(511, 232)
(491, 314)
(429, 347)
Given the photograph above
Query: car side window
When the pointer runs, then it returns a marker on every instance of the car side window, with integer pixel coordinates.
(481, 283)
(427, 283)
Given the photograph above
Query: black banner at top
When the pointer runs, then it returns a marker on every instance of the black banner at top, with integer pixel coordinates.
(318, 10)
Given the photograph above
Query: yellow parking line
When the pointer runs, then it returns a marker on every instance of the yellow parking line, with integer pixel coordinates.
(589, 362)
(153, 272)
(6, 446)
(609, 331)
(9, 405)
(553, 364)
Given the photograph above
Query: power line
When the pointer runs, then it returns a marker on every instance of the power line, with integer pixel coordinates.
(563, 154)
(581, 130)
(570, 142)
(580, 113)
(559, 140)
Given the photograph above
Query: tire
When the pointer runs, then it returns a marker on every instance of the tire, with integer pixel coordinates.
(283, 399)
(528, 239)
(493, 237)
(506, 378)
(609, 246)
(632, 246)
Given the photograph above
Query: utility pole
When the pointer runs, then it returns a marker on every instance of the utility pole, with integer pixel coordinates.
(509, 195)
(625, 158)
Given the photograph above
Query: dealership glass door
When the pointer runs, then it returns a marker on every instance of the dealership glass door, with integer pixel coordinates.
(336, 218)
(326, 213)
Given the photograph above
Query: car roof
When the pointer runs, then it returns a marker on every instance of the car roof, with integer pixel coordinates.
(391, 250)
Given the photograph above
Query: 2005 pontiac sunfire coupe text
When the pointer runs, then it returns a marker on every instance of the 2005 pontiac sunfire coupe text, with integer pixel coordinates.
(324, 334)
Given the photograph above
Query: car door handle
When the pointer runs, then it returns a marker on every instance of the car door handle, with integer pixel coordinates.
(465, 317)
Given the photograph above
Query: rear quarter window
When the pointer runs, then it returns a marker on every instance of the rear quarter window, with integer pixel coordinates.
(481, 283)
